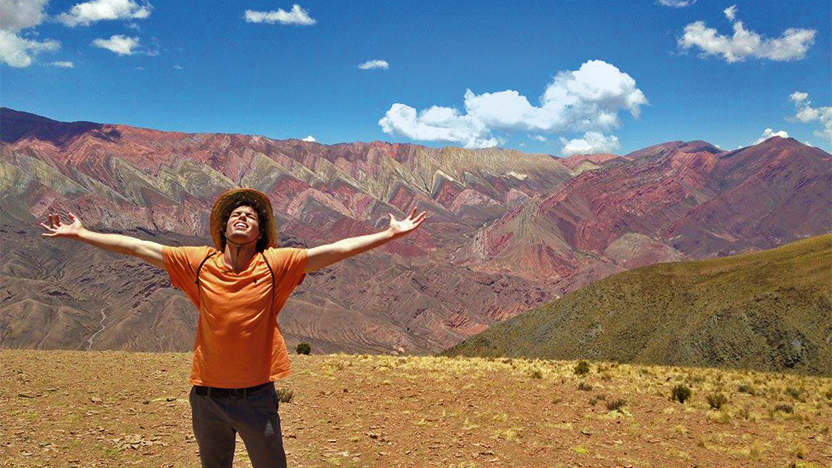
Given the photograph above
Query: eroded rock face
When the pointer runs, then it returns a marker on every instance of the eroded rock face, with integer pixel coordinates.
(507, 231)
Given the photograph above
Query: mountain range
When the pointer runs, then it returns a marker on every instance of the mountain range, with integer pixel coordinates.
(507, 231)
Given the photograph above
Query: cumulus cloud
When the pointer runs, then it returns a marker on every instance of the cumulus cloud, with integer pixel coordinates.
(62, 64)
(792, 45)
(805, 113)
(769, 133)
(591, 143)
(297, 16)
(539, 138)
(15, 16)
(21, 14)
(18, 52)
(375, 65)
(677, 3)
(583, 100)
(309, 138)
(87, 13)
(121, 45)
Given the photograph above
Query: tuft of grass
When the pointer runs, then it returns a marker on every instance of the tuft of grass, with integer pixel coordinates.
(537, 374)
(798, 451)
(717, 400)
(616, 405)
(582, 368)
(285, 395)
(797, 394)
(745, 388)
(585, 387)
(720, 417)
(784, 408)
(680, 393)
(597, 398)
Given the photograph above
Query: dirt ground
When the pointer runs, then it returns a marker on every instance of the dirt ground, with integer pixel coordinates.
(108, 409)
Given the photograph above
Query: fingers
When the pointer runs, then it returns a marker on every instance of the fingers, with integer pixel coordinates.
(412, 212)
(72, 217)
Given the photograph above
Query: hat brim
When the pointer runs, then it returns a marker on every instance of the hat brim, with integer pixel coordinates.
(233, 198)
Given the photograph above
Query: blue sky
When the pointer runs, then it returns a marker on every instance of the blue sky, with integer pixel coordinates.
(552, 77)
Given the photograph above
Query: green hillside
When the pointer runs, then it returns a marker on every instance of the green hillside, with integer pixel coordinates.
(770, 310)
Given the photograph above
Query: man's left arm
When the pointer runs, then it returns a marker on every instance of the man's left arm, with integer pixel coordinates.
(325, 255)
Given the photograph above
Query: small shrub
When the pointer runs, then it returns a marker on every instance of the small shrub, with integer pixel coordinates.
(828, 394)
(717, 400)
(784, 408)
(537, 374)
(680, 393)
(583, 386)
(303, 348)
(582, 368)
(616, 405)
(284, 395)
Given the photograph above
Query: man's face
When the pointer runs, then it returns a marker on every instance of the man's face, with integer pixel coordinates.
(243, 225)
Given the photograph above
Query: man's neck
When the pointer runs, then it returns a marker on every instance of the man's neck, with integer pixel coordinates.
(238, 256)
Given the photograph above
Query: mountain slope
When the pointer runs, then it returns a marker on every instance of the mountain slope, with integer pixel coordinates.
(769, 310)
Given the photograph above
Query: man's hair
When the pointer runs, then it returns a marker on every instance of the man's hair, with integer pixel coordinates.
(241, 199)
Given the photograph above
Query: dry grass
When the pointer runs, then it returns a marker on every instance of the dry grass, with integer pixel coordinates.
(130, 409)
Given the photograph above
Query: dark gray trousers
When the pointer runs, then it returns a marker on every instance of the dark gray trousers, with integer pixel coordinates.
(217, 420)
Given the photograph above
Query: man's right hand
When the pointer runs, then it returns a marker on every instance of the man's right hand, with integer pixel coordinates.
(151, 252)
(58, 229)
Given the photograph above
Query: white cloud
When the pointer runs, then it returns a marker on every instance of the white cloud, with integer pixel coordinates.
(121, 45)
(21, 14)
(539, 138)
(436, 124)
(374, 65)
(140, 68)
(16, 15)
(309, 138)
(84, 14)
(297, 16)
(769, 133)
(18, 52)
(62, 64)
(730, 12)
(179, 67)
(798, 97)
(792, 45)
(591, 143)
(583, 100)
(677, 3)
(805, 113)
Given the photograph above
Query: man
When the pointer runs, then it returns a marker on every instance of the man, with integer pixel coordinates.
(239, 288)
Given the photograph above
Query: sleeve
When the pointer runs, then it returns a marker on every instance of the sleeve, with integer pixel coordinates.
(288, 265)
(181, 263)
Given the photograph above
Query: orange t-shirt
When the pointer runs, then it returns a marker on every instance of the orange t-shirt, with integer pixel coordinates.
(238, 343)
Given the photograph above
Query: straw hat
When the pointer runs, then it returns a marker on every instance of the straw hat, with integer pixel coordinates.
(233, 198)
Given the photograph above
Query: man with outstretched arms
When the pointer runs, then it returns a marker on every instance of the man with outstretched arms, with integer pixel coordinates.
(239, 288)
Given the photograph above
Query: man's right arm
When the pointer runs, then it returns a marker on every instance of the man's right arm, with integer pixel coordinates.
(151, 252)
